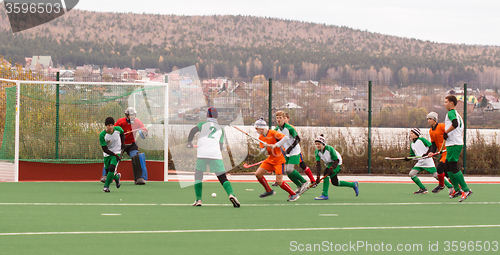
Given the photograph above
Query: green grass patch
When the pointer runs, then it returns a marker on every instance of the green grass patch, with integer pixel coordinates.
(67, 218)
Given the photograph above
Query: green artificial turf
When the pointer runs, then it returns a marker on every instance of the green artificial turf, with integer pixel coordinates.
(157, 218)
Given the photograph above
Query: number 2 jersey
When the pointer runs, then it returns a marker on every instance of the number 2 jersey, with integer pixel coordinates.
(210, 139)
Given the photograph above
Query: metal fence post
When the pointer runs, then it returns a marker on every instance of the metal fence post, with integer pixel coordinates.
(57, 116)
(465, 128)
(270, 112)
(369, 127)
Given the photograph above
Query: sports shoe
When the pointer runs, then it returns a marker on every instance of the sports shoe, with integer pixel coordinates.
(437, 189)
(118, 183)
(420, 191)
(106, 189)
(234, 200)
(322, 197)
(303, 188)
(356, 189)
(450, 191)
(456, 194)
(465, 195)
(293, 198)
(103, 179)
(197, 203)
(275, 184)
(140, 181)
(266, 194)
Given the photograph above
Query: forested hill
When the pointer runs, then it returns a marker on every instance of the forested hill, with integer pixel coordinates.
(244, 46)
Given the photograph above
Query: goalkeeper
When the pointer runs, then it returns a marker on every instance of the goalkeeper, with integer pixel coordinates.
(132, 126)
(333, 161)
(111, 140)
(210, 144)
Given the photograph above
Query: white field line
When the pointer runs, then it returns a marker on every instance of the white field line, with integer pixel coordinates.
(288, 204)
(327, 215)
(111, 214)
(243, 230)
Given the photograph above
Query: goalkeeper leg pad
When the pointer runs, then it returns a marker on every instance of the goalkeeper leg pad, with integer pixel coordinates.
(142, 159)
(137, 169)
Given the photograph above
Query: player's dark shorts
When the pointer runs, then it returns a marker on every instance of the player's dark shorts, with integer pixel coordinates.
(131, 147)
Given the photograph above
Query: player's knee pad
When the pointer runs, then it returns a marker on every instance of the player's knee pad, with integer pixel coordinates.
(289, 169)
(413, 173)
(334, 180)
(198, 175)
(440, 167)
(303, 165)
(132, 153)
(453, 167)
(222, 178)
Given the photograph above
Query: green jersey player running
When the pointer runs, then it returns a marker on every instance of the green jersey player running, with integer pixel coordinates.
(332, 160)
(111, 140)
(453, 134)
(292, 152)
(210, 145)
(419, 146)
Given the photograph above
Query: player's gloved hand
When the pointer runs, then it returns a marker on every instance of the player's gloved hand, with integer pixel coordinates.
(328, 171)
(189, 145)
(117, 158)
(445, 135)
(425, 154)
(406, 159)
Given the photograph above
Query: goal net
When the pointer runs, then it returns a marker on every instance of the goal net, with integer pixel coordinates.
(60, 122)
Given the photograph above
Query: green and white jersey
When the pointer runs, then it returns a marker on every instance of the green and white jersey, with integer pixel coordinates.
(291, 133)
(418, 148)
(328, 155)
(209, 140)
(455, 137)
(111, 140)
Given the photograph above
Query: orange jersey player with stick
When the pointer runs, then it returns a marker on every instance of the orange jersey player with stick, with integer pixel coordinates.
(275, 162)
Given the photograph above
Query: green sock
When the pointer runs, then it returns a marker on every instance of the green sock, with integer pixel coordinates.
(299, 176)
(228, 188)
(454, 181)
(109, 179)
(326, 186)
(417, 181)
(447, 184)
(346, 184)
(294, 178)
(198, 186)
(459, 176)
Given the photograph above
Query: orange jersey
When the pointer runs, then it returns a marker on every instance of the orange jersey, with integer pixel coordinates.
(276, 155)
(437, 138)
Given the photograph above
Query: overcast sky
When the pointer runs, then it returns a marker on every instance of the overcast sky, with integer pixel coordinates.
(443, 21)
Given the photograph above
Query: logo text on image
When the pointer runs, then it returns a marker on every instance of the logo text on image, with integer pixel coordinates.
(26, 14)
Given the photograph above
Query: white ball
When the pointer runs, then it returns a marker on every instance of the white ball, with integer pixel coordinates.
(214, 195)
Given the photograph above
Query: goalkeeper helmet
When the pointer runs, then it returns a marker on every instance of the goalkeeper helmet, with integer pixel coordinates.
(130, 111)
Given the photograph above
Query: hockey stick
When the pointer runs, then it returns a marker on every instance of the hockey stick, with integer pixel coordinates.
(246, 133)
(248, 166)
(435, 153)
(311, 185)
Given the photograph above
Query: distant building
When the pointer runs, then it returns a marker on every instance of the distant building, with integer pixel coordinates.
(44, 61)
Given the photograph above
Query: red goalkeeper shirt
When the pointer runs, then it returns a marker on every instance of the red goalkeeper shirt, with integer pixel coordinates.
(127, 128)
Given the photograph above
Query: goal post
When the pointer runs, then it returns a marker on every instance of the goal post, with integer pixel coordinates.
(60, 121)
